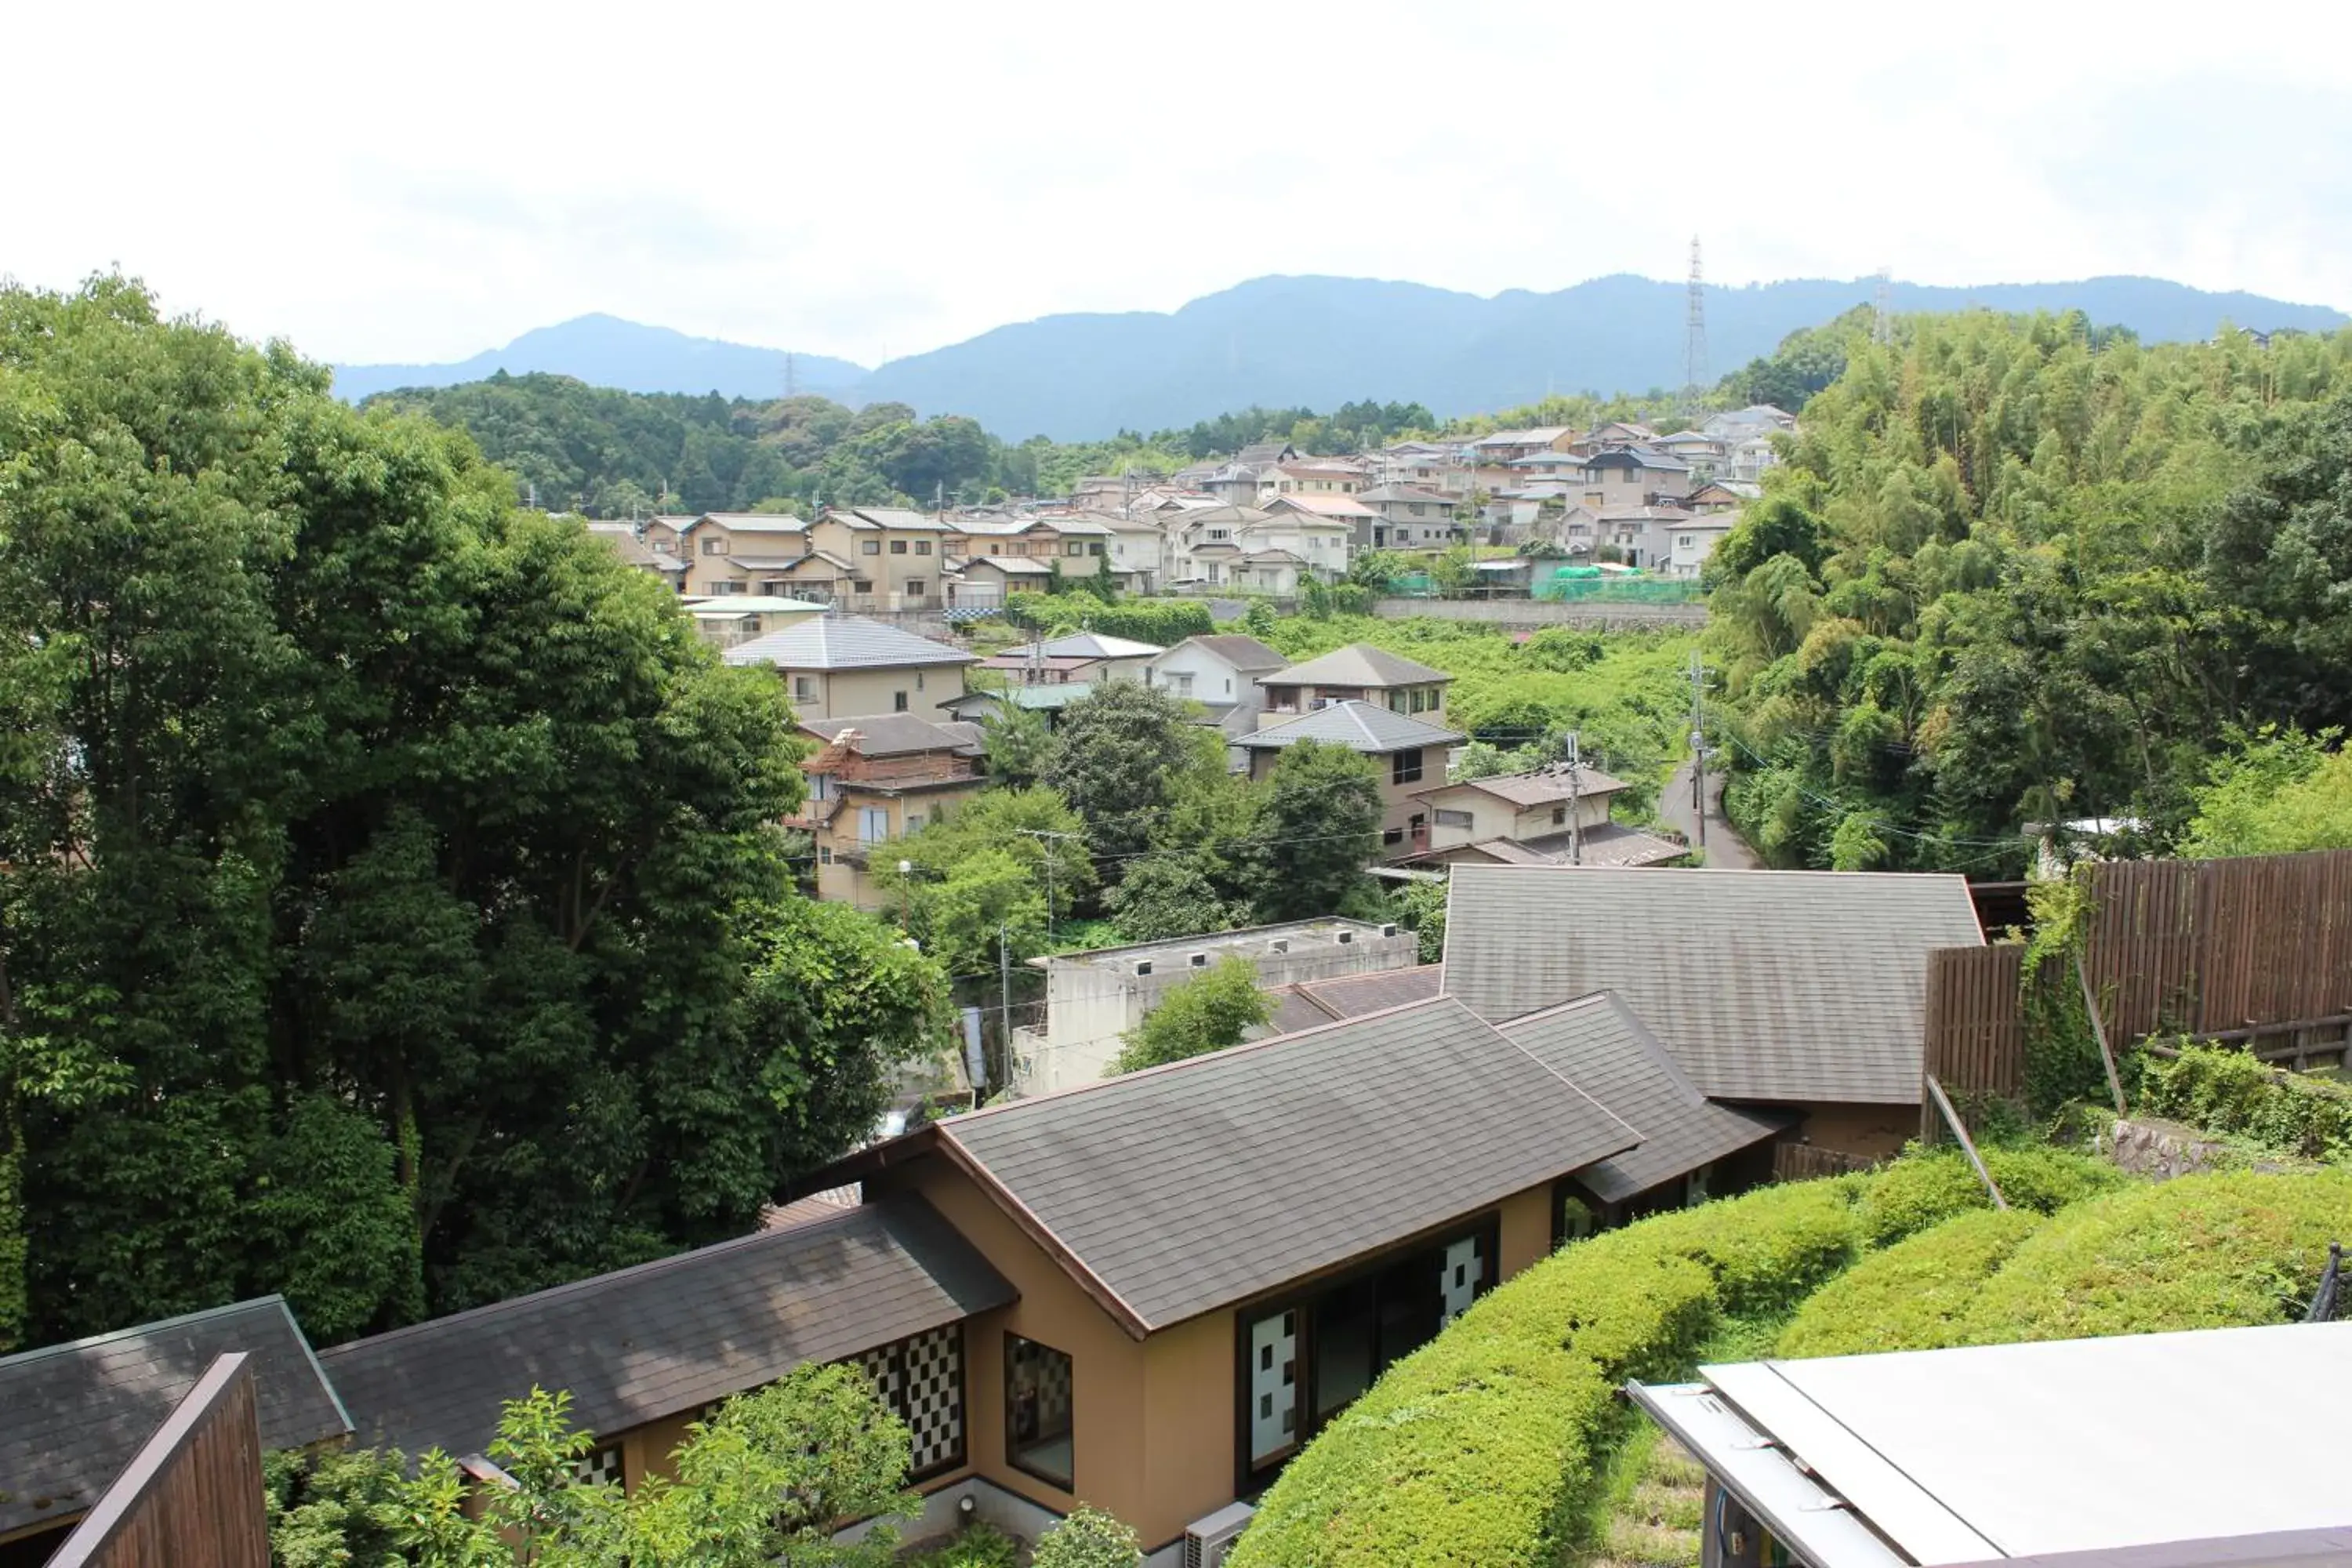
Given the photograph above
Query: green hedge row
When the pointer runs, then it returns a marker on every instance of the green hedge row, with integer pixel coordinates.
(2222, 1090)
(1921, 1190)
(1166, 622)
(1914, 1295)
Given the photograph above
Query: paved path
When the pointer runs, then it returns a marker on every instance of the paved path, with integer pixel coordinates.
(1724, 846)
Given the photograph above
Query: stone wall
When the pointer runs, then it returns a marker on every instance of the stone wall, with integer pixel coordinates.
(2161, 1149)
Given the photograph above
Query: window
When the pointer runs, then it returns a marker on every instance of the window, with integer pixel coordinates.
(1415, 507)
(897, 702)
(820, 785)
(1392, 836)
(860, 586)
(714, 545)
(1217, 533)
(1404, 768)
(873, 823)
(1454, 818)
(1559, 816)
(869, 547)
(600, 1467)
(1181, 683)
(914, 822)
(898, 547)
(1093, 547)
(1571, 1215)
(804, 687)
(1273, 1386)
(1075, 547)
(825, 854)
(1684, 542)
(922, 547)
(732, 587)
(915, 586)
(1039, 1392)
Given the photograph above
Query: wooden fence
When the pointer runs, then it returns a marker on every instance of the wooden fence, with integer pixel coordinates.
(2246, 949)
(193, 1497)
(1803, 1161)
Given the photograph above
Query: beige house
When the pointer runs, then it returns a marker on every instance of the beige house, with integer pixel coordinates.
(628, 542)
(1555, 815)
(1309, 477)
(1618, 477)
(1405, 516)
(1358, 672)
(755, 554)
(734, 618)
(896, 558)
(1409, 752)
(874, 779)
(842, 664)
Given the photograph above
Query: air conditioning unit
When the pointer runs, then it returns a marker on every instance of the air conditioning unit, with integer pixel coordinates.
(1209, 1541)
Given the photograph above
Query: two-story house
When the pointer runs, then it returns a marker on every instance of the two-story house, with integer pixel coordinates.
(1406, 517)
(1551, 816)
(895, 557)
(1643, 535)
(760, 553)
(1691, 541)
(875, 778)
(1619, 477)
(629, 541)
(1317, 530)
(1203, 543)
(1085, 657)
(1407, 751)
(844, 664)
(1309, 477)
(1358, 672)
(1221, 673)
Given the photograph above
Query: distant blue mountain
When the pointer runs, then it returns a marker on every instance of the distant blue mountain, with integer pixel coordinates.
(605, 351)
(1320, 342)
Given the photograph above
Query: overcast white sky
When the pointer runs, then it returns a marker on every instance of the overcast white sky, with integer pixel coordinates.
(420, 182)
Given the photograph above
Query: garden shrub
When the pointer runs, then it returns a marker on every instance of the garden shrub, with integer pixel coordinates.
(1768, 1249)
(2218, 1090)
(1166, 622)
(1912, 1296)
(1925, 1189)
(2202, 1252)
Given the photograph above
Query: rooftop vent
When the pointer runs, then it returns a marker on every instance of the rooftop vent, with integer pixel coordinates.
(1200, 960)
(1142, 967)
(1346, 937)
(1280, 944)
(1388, 930)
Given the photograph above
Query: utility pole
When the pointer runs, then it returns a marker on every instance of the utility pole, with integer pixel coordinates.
(1053, 844)
(1005, 986)
(1698, 746)
(1575, 801)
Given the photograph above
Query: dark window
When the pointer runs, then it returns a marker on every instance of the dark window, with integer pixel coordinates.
(857, 587)
(1038, 1395)
(1391, 836)
(1094, 549)
(897, 701)
(922, 547)
(1559, 815)
(915, 586)
(869, 547)
(1406, 767)
(804, 687)
(898, 547)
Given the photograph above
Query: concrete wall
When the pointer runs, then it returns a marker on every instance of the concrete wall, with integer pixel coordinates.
(1535, 613)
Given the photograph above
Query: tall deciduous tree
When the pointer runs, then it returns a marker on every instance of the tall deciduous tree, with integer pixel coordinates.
(1208, 1012)
(1316, 827)
(1121, 757)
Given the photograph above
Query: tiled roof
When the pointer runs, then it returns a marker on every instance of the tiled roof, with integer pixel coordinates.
(899, 735)
(845, 642)
(1354, 996)
(1405, 493)
(73, 1415)
(1358, 664)
(1060, 694)
(1245, 653)
(1187, 1188)
(865, 517)
(1362, 726)
(1544, 787)
(1333, 508)
(1094, 645)
(1636, 458)
(752, 522)
(1766, 986)
(1600, 1046)
(668, 1337)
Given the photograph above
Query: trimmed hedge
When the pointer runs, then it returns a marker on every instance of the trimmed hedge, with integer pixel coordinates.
(1166, 622)
(1913, 1296)
(2218, 1090)
(1925, 1189)
(1489, 1445)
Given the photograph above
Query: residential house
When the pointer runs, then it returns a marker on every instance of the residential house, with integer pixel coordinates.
(1134, 544)
(739, 617)
(897, 557)
(1701, 452)
(1094, 998)
(1802, 990)
(1693, 540)
(1745, 423)
(1276, 571)
(1317, 530)
(1357, 672)
(74, 1415)
(1407, 751)
(1424, 465)
(628, 542)
(876, 778)
(662, 533)
(1266, 455)
(1032, 666)
(1233, 484)
(1505, 447)
(1722, 495)
(1088, 657)
(1406, 517)
(2150, 1451)
(841, 664)
(1643, 535)
(1309, 477)
(1220, 672)
(754, 554)
(1216, 545)
(1311, 1004)
(986, 582)
(1203, 543)
(1615, 433)
(1047, 697)
(1750, 457)
(1555, 816)
(1619, 477)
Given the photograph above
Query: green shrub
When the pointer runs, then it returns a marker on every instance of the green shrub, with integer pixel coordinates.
(1089, 1538)
(1768, 1249)
(1912, 1296)
(974, 1546)
(2218, 1090)
(1162, 621)
(2202, 1252)
(1922, 1190)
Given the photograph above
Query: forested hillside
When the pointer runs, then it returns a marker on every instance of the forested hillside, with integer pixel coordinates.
(392, 911)
(2025, 570)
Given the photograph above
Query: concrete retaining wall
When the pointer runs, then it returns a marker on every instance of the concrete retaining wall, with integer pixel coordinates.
(1533, 614)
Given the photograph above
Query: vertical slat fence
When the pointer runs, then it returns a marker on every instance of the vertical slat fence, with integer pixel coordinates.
(193, 1497)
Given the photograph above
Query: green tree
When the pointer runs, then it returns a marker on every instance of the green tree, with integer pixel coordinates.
(1119, 759)
(1420, 908)
(1017, 742)
(1088, 1538)
(1316, 827)
(1172, 894)
(1207, 1011)
(2276, 795)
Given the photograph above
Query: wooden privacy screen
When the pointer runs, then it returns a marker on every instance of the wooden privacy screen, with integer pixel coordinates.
(1803, 1161)
(2230, 948)
(193, 1497)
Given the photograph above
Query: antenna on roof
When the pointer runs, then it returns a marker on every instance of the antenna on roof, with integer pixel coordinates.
(1695, 340)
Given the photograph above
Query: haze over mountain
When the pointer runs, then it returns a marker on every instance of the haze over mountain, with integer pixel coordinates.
(1317, 342)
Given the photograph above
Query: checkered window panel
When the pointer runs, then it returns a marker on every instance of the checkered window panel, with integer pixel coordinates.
(599, 1467)
(921, 1380)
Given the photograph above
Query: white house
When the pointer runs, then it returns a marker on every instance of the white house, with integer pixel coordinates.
(1221, 673)
(1693, 540)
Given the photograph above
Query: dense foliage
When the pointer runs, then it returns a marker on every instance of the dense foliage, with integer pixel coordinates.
(2218, 1088)
(391, 908)
(1922, 1189)
(1088, 1538)
(2027, 570)
(1164, 623)
(2275, 795)
(1202, 1012)
(1913, 1295)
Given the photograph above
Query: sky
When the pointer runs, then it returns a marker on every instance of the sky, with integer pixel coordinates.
(422, 182)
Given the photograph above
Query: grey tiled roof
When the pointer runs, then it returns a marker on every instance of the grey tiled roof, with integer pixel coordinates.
(1094, 645)
(1610, 844)
(73, 1415)
(1599, 1043)
(845, 642)
(1767, 985)
(1364, 726)
(1244, 652)
(1358, 664)
(899, 735)
(1541, 787)
(670, 1336)
(1313, 1003)
(1187, 1188)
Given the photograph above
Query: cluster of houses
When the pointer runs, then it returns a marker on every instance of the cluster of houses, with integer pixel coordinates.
(1266, 521)
(1147, 1293)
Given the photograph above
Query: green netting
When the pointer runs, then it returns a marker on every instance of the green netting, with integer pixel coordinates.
(1566, 589)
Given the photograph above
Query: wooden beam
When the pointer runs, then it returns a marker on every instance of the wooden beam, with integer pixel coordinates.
(1967, 1144)
(2106, 1054)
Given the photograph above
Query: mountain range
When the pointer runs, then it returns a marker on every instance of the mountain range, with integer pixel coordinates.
(1317, 342)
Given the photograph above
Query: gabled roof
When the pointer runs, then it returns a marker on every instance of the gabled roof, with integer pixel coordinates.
(1405, 493)
(1058, 695)
(1358, 725)
(1600, 1046)
(1094, 645)
(1636, 458)
(845, 642)
(1358, 664)
(73, 1415)
(1766, 986)
(1312, 1003)
(1245, 653)
(1544, 787)
(865, 517)
(667, 1338)
(1331, 509)
(1183, 1189)
(1273, 558)
(748, 523)
(899, 735)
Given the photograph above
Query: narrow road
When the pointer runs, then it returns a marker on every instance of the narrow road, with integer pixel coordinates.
(1725, 848)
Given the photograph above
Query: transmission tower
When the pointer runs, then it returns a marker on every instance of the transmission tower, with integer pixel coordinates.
(1695, 344)
(791, 375)
(1882, 313)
